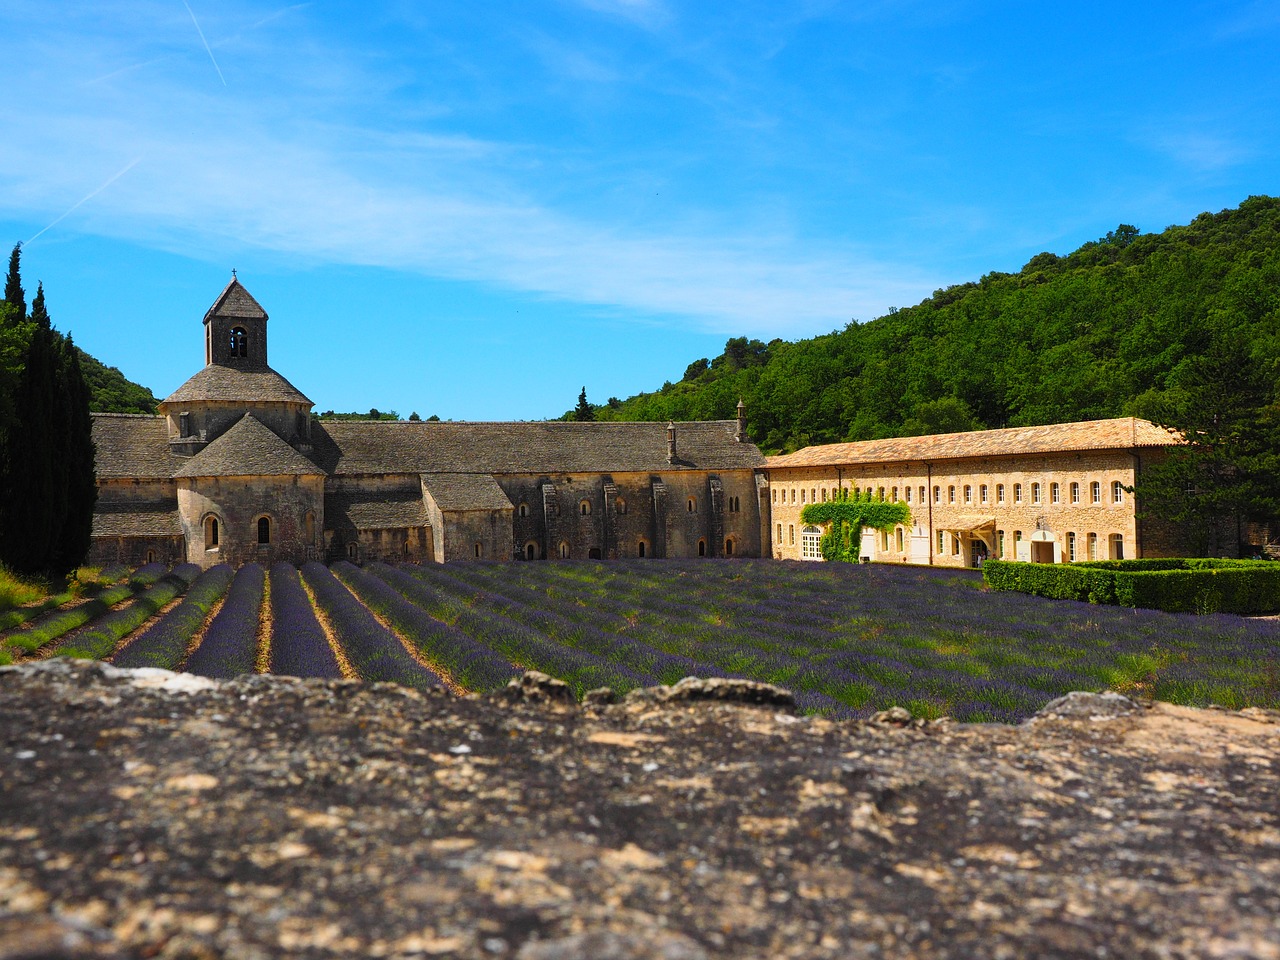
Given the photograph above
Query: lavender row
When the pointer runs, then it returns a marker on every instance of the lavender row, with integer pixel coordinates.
(299, 645)
(645, 659)
(374, 651)
(230, 644)
(164, 644)
(519, 644)
(100, 638)
(470, 664)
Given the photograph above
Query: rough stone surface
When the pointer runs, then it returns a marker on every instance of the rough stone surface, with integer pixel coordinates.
(147, 815)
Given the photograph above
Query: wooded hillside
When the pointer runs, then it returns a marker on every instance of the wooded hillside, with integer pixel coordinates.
(1116, 328)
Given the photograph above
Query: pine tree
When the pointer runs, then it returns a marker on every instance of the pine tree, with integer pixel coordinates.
(583, 411)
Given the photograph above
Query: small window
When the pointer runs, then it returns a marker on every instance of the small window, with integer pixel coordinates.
(824, 494)
(1017, 536)
(898, 533)
(884, 540)
(735, 504)
(184, 424)
(1035, 493)
(951, 494)
(531, 551)
(791, 534)
(999, 493)
(702, 548)
(479, 549)
(968, 493)
(1095, 489)
(640, 549)
(1055, 495)
(793, 495)
(907, 491)
(564, 550)
(593, 553)
(982, 493)
(353, 551)
(813, 495)
(1071, 546)
(922, 495)
(1000, 544)
(779, 533)
(955, 544)
(803, 492)
(522, 510)
(895, 495)
(775, 494)
(1075, 493)
(264, 531)
(1115, 544)
(692, 505)
(151, 556)
(584, 507)
(1017, 493)
(239, 342)
(880, 493)
(211, 533)
(941, 535)
(1093, 546)
(1117, 491)
(728, 547)
(621, 506)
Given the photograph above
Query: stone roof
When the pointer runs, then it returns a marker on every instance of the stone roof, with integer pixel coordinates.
(1124, 433)
(555, 447)
(130, 445)
(359, 510)
(236, 301)
(465, 491)
(248, 449)
(245, 384)
(156, 519)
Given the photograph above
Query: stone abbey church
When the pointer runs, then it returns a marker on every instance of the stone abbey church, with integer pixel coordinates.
(235, 468)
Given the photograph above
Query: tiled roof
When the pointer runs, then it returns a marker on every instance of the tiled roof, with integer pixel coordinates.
(249, 449)
(343, 447)
(159, 519)
(236, 301)
(1124, 433)
(359, 510)
(218, 382)
(130, 445)
(465, 491)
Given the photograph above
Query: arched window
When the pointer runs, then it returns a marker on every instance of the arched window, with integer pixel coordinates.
(1055, 495)
(479, 549)
(982, 493)
(1115, 546)
(564, 549)
(702, 548)
(937, 494)
(640, 549)
(621, 505)
(584, 507)
(1093, 546)
(692, 505)
(775, 494)
(531, 551)
(951, 494)
(264, 531)
(1117, 491)
(593, 553)
(728, 547)
(880, 493)
(1075, 493)
(151, 556)
(1035, 493)
(922, 494)
(895, 495)
(522, 510)
(968, 493)
(1017, 493)
(1095, 489)
(1071, 546)
(907, 491)
(803, 494)
(353, 551)
(813, 495)
(210, 533)
(824, 494)
(239, 342)
(901, 539)
(999, 493)
(791, 534)
(793, 494)
(404, 550)
(810, 543)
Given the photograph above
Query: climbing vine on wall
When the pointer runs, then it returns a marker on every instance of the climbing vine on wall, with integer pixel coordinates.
(845, 517)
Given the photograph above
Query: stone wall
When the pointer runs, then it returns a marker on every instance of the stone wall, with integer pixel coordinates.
(294, 507)
(208, 420)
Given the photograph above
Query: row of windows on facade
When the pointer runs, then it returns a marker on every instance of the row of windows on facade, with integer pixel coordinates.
(968, 491)
(810, 537)
(734, 505)
(563, 551)
(263, 525)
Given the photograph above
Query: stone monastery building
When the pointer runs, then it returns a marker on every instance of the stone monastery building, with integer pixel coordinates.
(236, 469)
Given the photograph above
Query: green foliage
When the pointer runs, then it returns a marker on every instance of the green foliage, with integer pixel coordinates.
(1176, 586)
(583, 412)
(373, 414)
(844, 519)
(1102, 332)
(110, 391)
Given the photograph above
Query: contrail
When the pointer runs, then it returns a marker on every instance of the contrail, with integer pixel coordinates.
(87, 198)
(205, 42)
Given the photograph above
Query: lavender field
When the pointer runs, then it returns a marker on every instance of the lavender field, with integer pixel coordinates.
(848, 640)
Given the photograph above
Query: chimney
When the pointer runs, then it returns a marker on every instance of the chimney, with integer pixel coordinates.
(671, 442)
(741, 435)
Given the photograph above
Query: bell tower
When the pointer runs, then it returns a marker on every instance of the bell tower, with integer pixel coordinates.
(235, 329)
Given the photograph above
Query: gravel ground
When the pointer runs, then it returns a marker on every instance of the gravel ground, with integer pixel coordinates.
(149, 814)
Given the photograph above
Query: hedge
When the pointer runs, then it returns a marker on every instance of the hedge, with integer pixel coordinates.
(1194, 585)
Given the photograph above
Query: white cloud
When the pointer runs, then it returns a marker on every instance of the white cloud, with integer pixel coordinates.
(290, 171)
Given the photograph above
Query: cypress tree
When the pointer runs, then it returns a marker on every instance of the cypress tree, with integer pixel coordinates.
(583, 411)
(13, 292)
(82, 487)
(34, 498)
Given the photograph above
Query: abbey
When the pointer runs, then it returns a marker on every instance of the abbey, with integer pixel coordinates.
(235, 468)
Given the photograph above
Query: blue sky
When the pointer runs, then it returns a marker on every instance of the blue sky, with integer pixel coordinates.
(474, 209)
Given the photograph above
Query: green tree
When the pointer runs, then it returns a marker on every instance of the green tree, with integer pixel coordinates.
(13, 292)
(583, 412)
(78, 463)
